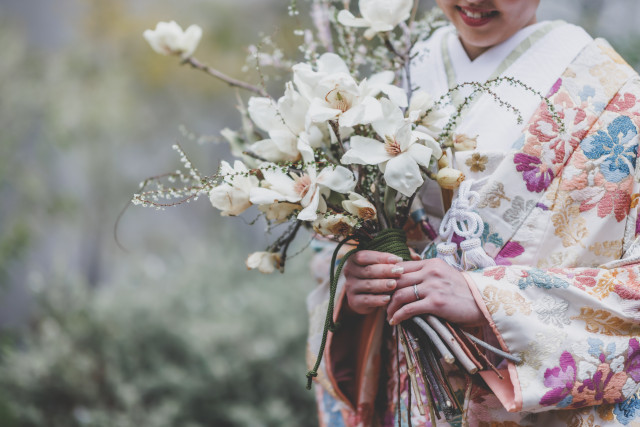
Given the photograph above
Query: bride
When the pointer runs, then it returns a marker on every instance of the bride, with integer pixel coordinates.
(559, 206)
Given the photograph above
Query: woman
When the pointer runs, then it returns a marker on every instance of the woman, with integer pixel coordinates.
(560, 214)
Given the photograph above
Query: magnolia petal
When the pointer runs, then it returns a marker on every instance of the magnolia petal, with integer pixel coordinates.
(332, 63)
(266, 196)
(392, 119)
(263, 113)
(364, 113)
(420, 154)
(382, 78)
(269, 151)
(428, 141)
(347, 19)
(284, 140)
(370, 33)
(405, 137)
(293, 109)
(320, 112)
(402, 173)
(340, 179)
(396, 94)
(365, 151)
(190, 40)
(310, 212)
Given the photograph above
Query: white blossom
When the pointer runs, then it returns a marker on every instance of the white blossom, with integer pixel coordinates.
(279, 211)
(359, 206)
(265, 262)
(400, 155)
(169, 39)
(334, 93)
(421, 102)
(232, 197)
(377, 15)
(284, 121)
(308, 188)
(334, 225)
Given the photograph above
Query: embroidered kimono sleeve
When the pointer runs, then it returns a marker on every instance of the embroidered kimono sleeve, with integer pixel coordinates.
(576, 328)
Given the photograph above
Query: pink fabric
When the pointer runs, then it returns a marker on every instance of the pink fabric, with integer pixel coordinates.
(506, 390)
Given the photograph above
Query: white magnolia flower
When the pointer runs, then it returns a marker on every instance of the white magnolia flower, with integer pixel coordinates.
(279, 211)
(377, 15)
(265, 262)
(169, 39)
(334, 94)
(284, 121)
(360, 207)
(334, 225)
(400, 155)
(232, 197)
(307, 189)
(421, 101)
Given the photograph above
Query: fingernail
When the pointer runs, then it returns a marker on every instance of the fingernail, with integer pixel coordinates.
(387, 298)
(391, 284)
(396, 270)
(394, 259)
(392, 322)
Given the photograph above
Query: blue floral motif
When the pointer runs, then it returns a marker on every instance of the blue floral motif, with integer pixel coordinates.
(626, 411)
(616, 147)
(542, 280)
(489, 237)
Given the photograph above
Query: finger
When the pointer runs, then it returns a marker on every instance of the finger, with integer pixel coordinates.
(414, 255)
(373, 286)
(402, 297)
(376, 271)
(413, 309)
(410, 279)
(373, 257)
(411, 266)
(365, 303)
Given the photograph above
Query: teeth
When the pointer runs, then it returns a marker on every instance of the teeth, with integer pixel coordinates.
(475, 15)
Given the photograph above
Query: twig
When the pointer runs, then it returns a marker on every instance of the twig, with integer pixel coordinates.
(288, 241)
(411, 370)
(447, 337)
(229, 80)
(514, 359)
(435, 339)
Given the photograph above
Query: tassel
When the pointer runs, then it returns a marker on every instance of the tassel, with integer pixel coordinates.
(448, 253)
(474, 256)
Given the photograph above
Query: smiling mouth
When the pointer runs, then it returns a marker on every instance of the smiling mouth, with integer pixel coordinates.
(476, 17)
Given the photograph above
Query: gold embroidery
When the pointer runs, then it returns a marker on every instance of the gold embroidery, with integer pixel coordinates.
(610, 249)
(603, 322)
(606, 283)
(510, 301)
(494, 196)
(558, 259)
(477, 162)
(605, 412)
(569, 225)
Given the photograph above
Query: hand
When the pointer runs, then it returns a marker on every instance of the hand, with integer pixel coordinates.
(371, 278)
(443, 292)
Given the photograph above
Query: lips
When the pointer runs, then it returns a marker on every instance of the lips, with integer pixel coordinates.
(476, 17)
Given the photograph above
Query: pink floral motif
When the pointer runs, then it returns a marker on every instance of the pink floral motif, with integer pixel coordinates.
(510, 250)
(561, 380)
(604, 386)
(632, 366)
(537, 175)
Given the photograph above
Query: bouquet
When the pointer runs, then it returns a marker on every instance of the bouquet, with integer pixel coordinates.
(343, 150)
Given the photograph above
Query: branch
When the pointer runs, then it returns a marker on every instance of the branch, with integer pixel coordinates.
(229, 80)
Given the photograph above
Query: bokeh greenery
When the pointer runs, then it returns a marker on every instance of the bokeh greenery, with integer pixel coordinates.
(171, 330)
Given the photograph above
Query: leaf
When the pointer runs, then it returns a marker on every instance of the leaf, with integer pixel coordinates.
(569, 225)
(603, 322)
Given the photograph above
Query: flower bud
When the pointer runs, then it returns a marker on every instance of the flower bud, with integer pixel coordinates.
(443, 161)
(449, 178)
(462, 142)
(169, 39)
(265, 262)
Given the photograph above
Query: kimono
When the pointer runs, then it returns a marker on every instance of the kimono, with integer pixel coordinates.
(560, 207)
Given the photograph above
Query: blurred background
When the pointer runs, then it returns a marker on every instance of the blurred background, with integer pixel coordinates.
(167, 329)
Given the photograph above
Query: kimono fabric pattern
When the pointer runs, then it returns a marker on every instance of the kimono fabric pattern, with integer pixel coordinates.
(561, 222)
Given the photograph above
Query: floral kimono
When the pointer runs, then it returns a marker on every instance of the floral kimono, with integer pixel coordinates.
(560, 211)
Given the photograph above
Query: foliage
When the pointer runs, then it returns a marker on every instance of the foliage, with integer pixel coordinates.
(208, 346)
